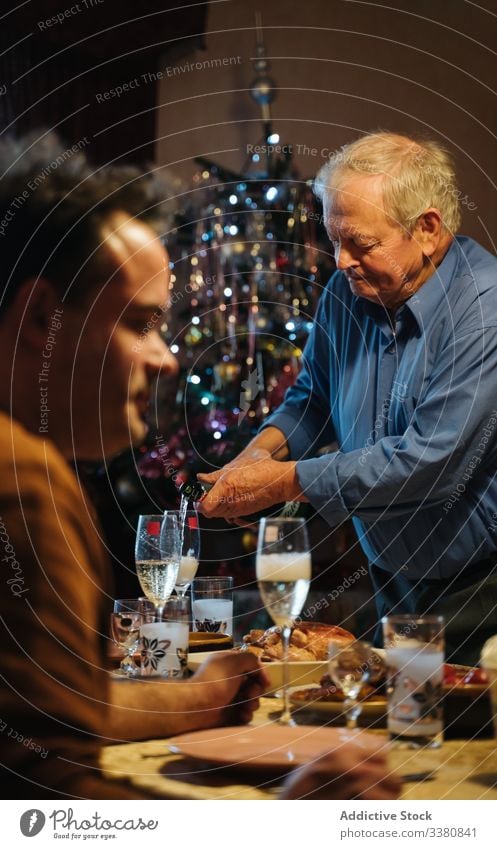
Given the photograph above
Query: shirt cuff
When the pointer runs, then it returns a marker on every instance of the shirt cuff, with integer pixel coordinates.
(298, 440)
(318, 480)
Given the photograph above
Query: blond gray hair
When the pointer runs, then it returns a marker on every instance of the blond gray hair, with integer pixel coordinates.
(418, 174)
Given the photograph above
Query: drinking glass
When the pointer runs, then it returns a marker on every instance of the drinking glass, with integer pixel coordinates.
(283, 568)
(157, 556)
(125, 624)
(414, 656)
(350, 666)
(190, 548)
(212, 605)
(164, 640)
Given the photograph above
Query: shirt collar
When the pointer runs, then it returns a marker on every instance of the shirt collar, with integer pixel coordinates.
(425, 302)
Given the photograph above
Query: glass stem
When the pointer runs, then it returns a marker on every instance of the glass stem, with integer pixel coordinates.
(351, 717)
(286, 717)
(127, 663)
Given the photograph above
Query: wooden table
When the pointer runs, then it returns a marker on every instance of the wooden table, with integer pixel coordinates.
(462, 769)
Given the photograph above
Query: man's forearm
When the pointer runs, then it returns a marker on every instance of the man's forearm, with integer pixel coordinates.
(144, 709)
(270, 439)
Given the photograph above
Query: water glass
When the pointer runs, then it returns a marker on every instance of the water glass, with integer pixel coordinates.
(125, 623)
(164, 639)
(350, 666)
(414, 656)
(212, 604)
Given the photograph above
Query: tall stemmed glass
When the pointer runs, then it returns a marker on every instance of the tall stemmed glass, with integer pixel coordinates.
(350, 666)
(157, 556)
(190, 549)
(283, 568)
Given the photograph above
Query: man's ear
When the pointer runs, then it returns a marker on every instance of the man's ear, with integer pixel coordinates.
(33, 307)
(428, 231)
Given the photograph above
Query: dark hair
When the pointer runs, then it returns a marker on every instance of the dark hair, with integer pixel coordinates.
(52, 207)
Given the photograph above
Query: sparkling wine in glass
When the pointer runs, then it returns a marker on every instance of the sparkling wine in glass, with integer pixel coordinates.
(350, 666)
(157, 556)
(283, 568)
(125, 622)
(190, 548)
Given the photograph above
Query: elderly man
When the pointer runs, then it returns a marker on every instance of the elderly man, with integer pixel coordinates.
(85, 281)
(401, 370)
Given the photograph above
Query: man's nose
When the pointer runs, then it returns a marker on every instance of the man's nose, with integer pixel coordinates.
(344, 258)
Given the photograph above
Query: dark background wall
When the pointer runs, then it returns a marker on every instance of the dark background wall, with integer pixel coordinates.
(344, 67)
(68, 66)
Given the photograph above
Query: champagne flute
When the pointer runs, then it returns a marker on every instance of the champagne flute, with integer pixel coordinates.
(190, 549)
(157, 556)
(350, 666)
(283, 568)
(125, 624)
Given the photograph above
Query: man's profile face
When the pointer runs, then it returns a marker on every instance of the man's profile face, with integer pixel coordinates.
(117, 350)
(380, 261)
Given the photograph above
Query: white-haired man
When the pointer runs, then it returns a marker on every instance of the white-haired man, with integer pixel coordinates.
(401, 370)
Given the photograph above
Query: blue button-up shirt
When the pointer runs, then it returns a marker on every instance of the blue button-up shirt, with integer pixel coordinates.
(414, 411)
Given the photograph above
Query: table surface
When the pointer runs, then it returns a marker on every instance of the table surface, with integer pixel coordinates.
(460, 769)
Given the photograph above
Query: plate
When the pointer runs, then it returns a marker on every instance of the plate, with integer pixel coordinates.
(203, 641)
(460, 689)
(261, 746)
(456, 689)
(465, 689)
(117, 675)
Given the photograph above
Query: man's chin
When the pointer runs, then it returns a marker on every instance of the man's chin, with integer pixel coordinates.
(106, 445)
(363, 289)
(138, 429)
(135, 437)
